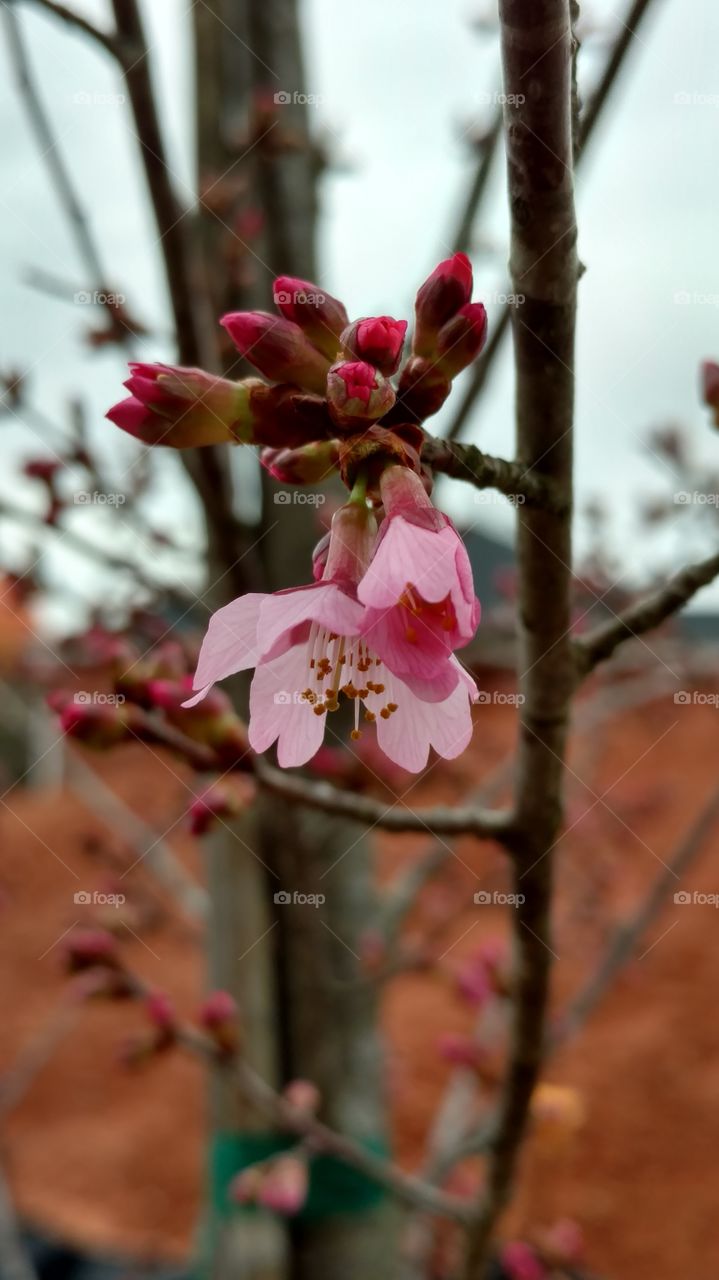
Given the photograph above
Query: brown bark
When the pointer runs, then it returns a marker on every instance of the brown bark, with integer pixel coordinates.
(537, 58)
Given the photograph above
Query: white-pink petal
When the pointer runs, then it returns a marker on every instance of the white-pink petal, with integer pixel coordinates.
(278, 715)
(230, 644)
(322, 602)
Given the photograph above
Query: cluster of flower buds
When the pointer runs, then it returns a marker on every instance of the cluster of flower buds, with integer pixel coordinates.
(392, 597)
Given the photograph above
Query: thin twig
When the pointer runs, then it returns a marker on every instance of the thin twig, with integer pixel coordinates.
(514, 479)
(588, 123)
(107, 39)
(463, 238)
(600, 644)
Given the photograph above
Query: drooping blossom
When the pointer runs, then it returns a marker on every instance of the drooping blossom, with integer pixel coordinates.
(308, 648)
(418, 589)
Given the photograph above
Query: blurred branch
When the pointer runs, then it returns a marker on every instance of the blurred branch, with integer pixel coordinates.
(624, 941)
(107, 39)
(462, 242)
(588, 123)
(545, 268)
(50, 151)
(151, 848)
(514, 479)
(646, 614)
(14, 1263)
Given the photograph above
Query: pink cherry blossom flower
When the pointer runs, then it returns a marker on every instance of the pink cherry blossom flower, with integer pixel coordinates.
(418, 589)
(307, 647)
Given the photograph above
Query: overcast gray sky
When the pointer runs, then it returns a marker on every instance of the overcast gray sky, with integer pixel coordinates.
(395, 88)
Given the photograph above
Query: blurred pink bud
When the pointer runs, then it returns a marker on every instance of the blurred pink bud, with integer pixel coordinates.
(562, 1244)
(98, 724)
(217, 802)
(160, 1011)
(520, 1262)
(304, 1095)
(443, 293)
(245, 1186)
(378, 340)
(460, 341)
(182, 408)
(321, 316)
(89, 948)
(285, 1185)
(357, 393)
(44, 469)
(278, 348)
(219, 1016)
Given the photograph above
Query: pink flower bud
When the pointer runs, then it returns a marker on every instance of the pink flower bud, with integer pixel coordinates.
(562, 1244)
(520, 1262)
(320, 315)
(90, 948)
(357, 393)
(460, 341)
(182, 408)
(310, 464)
(160, 1011)
(304, 1095)
(378, 340)
(447, 289)
(245, 1186)
(98, 724)
(285, 1186)
(218, 1015)
(278, 348)
(217, 802)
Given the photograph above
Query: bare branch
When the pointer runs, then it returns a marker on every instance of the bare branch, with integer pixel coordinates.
(514, 479)
(107, 39)
(588, 122)
(646, 614)
(626, 937)
(537, 42)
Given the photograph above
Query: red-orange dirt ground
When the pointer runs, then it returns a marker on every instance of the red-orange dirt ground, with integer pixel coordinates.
(112, 1158)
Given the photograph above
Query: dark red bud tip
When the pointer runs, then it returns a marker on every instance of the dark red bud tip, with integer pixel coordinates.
(218, 1009)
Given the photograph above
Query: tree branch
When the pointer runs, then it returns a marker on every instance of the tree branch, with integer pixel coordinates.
(107, 39)
(600, 644)
(537, 59)
(514, 479)
(588, 123)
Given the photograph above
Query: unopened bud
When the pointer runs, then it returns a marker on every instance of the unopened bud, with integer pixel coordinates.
(357, 394)
(218, 1015)
(443, 293)
(321, 316)
(378, 340)
(304, 1095)
(310, 464)
(278, 348)
(285, 1186)
(181, 408)
(460, 341)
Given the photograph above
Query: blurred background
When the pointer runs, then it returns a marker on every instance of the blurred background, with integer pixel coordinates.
(387, 125)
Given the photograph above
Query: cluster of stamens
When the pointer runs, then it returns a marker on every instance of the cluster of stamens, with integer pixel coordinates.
(443, 611)
(342, 665)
